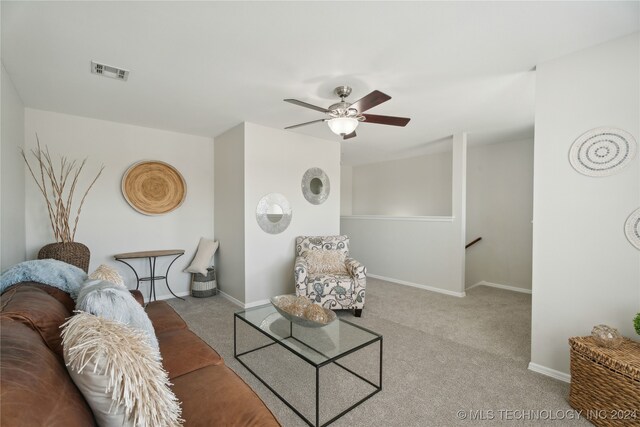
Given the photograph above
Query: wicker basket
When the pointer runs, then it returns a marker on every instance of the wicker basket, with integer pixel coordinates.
(73, 253)
(605, 382)
(204, 286)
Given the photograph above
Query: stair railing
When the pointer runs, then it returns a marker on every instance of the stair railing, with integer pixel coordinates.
(473, 242)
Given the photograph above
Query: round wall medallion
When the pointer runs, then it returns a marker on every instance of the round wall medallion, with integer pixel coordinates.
(632, 228)
(602, 151)
(315, 186)
(153, 187)
(273, 213)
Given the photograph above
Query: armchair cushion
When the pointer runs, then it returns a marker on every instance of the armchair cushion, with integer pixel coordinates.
(323, 261)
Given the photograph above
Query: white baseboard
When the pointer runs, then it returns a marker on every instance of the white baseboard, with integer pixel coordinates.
(240, 303)
(505, 287)
(232, 299)
(257, 303)
(169, 296)
(417, 285)
(549, 372)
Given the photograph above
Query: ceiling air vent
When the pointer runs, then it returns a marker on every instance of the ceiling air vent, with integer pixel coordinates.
(109, 71)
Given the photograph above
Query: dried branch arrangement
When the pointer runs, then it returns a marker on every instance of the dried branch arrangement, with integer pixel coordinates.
(58, 188)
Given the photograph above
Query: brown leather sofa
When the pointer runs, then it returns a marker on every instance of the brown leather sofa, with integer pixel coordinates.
(36, 390)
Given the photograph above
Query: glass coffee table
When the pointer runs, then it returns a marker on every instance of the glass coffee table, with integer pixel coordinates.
(318, 347)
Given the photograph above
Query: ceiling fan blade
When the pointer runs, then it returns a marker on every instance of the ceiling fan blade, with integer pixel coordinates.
(306, 105)
(306, 123)
(351, 135)
(386, 120)
(374, 98)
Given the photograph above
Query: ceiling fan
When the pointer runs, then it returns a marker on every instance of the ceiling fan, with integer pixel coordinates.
(344, 117)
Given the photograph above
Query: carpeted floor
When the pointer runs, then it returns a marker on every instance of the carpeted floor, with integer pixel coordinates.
(442, 355)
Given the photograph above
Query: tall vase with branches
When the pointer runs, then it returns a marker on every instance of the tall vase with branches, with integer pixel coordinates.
(58, 183)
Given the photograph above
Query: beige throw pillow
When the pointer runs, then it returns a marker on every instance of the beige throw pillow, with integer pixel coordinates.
(108, 274)
(118, 373)
(206, 249)
(326, 262)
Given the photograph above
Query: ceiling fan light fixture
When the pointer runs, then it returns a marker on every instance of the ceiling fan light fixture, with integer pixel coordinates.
(343, 125)
(343, 117)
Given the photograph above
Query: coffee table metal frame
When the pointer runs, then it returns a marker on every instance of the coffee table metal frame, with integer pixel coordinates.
(317, 366)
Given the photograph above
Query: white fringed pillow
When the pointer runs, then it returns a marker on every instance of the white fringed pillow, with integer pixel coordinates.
(326, 262)
(108, 274)
(206, 249)
(118, 373)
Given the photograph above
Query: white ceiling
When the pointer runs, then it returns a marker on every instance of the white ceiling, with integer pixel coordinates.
(203, 67)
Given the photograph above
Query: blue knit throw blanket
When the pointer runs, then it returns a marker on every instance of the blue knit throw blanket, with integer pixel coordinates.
(66, 277)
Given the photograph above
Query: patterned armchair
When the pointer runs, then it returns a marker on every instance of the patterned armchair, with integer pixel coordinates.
(337, 291)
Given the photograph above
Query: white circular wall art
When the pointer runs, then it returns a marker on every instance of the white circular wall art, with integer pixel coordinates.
(315, 186)
(602, 151)
(632, 228)
(273, 213)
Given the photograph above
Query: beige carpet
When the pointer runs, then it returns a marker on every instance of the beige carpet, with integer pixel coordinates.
(442, 355)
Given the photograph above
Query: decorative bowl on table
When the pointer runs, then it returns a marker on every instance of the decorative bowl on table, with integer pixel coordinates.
(606, 336)
(303, 312)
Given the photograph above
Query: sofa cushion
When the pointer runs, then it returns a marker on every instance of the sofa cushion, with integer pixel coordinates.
(36, 388)
(138, 296)
(223, 399)
(38, 310)
(183, 352)
(62, 297)
(163, 317)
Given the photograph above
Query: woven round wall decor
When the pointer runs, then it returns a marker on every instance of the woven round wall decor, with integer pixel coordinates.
(602, 151)
(632, 228)
(153, 187)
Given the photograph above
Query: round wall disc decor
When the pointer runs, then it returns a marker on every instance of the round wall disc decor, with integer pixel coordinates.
(153, 187)
(273, 213)
(632, 228)
(315, 186)
(602, 151)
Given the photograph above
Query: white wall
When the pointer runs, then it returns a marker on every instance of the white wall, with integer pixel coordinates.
(275, 161)
(417, 186)
(585, 272)
(404, 250)
(229, 211)
(108, 225)
(346, 190)
(422, 252)
(12, 182)
(500, 209)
